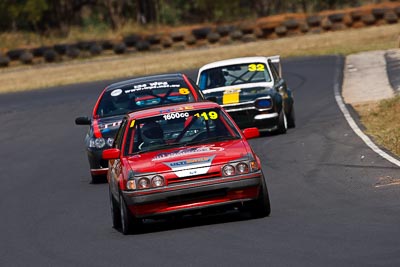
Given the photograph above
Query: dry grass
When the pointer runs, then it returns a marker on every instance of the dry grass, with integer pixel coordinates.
(382, 122)
(340, 42)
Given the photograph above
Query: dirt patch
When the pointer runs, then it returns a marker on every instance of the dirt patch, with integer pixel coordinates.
(382, 122)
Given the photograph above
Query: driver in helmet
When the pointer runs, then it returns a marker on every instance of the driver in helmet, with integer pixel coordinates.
(152, 134)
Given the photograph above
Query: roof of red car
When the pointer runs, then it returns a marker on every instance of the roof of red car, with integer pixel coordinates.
(172, 108)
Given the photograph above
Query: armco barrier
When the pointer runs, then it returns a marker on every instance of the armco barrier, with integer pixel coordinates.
(265, 28)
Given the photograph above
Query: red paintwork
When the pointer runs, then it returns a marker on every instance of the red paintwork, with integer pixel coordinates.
(167, 109)
(251, 133)
(155, 162)
(99, 171)
(196, 97)
(223, 152)
(112, 153)
(159, 208)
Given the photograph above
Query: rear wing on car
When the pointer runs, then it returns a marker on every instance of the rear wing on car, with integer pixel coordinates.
(277, 61)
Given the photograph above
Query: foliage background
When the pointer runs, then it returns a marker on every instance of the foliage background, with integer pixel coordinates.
(49, 16)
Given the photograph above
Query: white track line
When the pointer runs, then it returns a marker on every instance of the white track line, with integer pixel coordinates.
(354, 126)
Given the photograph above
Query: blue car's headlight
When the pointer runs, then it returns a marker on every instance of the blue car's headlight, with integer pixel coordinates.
(100, 143)
(263, 103)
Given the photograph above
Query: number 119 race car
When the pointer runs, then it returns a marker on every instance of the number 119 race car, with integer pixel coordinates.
(252, 91)
(184, 158)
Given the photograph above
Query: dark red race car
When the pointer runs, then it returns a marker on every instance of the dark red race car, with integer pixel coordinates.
(182, 159)
(126, 96)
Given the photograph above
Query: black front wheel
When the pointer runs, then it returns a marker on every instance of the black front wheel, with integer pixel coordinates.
(129, 224)
(115, 213)
(291, 121)
(261, 206)
(126, 217)
(282, 122)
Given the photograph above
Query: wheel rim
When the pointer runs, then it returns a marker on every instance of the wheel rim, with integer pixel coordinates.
(284, 120)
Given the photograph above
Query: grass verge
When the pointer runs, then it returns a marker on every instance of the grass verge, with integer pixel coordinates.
(341, 42)
(382, 122)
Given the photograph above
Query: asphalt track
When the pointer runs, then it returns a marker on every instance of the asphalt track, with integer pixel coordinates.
(333, 203)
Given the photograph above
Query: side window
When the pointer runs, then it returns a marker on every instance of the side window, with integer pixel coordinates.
(120, 134)
(203, 80)
(275, 74)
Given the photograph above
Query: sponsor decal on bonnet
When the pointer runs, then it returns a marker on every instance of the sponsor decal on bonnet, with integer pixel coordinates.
(186, 151)
(191, 167)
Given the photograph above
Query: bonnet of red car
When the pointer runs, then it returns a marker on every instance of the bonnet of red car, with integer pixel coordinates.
(191, 157)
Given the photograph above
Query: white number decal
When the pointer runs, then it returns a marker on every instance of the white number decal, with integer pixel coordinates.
(176, 115)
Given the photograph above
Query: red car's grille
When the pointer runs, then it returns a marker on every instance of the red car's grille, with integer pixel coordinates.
(198, 196)
(194, 178)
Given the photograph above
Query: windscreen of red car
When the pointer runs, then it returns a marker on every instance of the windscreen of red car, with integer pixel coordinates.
(131, 97)
(179, 128)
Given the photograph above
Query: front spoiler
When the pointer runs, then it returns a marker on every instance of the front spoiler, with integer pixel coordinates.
(192, 196)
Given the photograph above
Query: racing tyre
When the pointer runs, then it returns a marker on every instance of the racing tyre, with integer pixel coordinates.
(126, 217)
(291, 123)
(261, 207)
(115, 213)
(129, 224)
(282, 123)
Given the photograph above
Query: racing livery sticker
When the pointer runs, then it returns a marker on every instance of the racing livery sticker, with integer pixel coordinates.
(151, 86)
(231, 96)
(191, 167)
(176, 115)
(116, 92)
(186, 151)
(175, 109)
(110, 125)
(184, 91)
(256, 67)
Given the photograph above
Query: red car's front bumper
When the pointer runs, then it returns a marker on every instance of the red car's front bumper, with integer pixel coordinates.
(193, 195)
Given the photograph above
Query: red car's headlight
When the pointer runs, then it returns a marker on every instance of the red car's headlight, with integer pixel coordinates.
(157, 181)
(238, 168)
(242, 168)
(145, 182)
(228, 170)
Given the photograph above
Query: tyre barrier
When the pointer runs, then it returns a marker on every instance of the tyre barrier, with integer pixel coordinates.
(213, 37)
(201, 33)
(50, 56)
(26, 58)
(265, 28)
(143, 45)
(4, 61)
(119, 48)
(131, 40)
(96, 49)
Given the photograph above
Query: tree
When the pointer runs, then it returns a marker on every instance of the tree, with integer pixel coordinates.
(114, 9)
(147, 11)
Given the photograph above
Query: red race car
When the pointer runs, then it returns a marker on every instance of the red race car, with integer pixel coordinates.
(182, 159)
